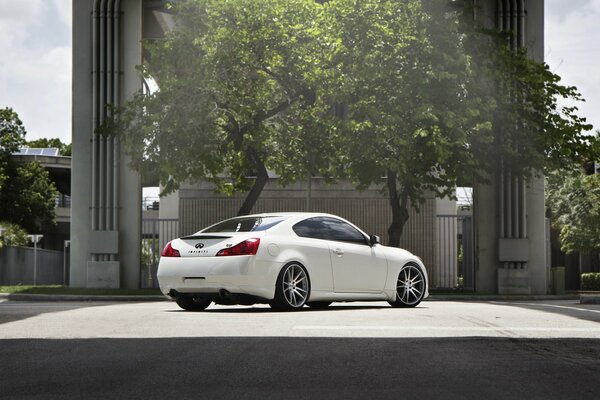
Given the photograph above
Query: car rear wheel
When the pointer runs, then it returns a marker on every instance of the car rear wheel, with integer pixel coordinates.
(410, 286)
(292, 288)
(193, 303)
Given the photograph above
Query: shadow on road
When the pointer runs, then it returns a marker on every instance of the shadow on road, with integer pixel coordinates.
(237, 309)
(300, 368)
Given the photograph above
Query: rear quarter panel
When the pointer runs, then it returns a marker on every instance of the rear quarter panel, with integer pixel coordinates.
(313, 254)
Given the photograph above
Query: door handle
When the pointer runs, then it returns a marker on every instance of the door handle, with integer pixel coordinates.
(338, 251)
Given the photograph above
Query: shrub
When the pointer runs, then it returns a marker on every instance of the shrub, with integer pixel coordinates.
(590, 281)
(12, 235)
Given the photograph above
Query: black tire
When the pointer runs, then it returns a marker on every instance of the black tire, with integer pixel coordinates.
(319, 305)
(292, 288)
(192, 303)
(410, 287)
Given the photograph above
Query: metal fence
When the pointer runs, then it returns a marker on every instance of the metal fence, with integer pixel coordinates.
(29, 266)
(454, 266)
(156, 233)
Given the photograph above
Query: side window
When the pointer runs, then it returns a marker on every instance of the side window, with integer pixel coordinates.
(310, 228)
(342, 232)
(328, 229)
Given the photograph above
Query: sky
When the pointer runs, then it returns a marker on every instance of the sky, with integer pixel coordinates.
(35, 59)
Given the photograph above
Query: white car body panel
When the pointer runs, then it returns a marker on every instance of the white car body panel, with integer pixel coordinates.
(362, 272)
(358, 268)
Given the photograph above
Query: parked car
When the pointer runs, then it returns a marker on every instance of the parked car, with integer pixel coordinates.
(288, 260)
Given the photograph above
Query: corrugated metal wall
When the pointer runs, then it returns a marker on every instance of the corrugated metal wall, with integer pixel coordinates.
(17, 266)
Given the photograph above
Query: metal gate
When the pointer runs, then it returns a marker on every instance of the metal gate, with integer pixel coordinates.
(156, 233)
(454, 266)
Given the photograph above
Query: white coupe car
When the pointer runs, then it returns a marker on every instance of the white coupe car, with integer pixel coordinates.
(288, 260)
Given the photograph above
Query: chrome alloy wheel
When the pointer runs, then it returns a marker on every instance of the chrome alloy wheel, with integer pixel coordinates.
(411, 285)
(295, 285)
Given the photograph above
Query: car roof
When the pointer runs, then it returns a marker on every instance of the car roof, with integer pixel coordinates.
(287, 214)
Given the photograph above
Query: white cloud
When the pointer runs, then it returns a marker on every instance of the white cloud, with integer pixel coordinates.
(64, 10)
(35, 71)
(573, 51)
(19, 12)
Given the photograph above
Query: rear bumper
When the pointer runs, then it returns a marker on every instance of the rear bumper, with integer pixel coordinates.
(245, 275)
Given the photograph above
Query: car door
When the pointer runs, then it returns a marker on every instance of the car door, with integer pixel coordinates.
(357, 267)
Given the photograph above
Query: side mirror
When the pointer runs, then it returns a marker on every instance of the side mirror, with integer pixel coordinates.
(373, 240)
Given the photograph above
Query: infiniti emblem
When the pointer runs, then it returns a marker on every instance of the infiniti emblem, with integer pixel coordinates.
(199, 245)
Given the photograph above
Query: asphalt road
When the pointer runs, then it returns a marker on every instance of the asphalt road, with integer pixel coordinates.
(449, 350)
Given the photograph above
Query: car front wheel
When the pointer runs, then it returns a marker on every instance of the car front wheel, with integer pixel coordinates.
(292, 288)
(410, 286)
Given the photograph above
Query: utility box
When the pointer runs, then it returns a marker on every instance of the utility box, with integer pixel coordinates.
(558, 280)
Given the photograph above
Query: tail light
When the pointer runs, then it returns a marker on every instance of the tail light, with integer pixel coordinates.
(169, 251)
(248, 247)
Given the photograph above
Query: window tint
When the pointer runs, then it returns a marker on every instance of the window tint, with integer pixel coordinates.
(245, 224)
(310, 228)
(328, 228)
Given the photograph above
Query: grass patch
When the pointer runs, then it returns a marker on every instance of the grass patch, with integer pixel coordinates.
(58, 289)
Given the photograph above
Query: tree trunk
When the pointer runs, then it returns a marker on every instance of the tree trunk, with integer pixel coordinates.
(398, 203)
(259, 183)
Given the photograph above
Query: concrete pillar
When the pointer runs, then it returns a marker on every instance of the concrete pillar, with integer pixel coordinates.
(506, 263)
(107, 257)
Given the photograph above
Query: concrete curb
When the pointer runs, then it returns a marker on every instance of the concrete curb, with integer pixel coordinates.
(76, 297)
(590, 299)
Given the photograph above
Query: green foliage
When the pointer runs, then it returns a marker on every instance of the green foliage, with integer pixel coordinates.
(402, 71)
(27, 196)
(63, 148)
(12, 131)
(590, 281)
(402, 75)
(150, 253)
(574, 202)
(345, 88)
(239, 94)
(12, 235)
(522, 99)
(12, 137)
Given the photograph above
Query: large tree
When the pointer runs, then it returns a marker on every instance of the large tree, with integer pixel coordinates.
(238, 96)
(533, 117)
(12, 137)
(433, 99)
(573, 198)
(367, 88)
(27, 195)
(402, 78)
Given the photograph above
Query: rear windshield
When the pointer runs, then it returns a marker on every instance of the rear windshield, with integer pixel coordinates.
(245, 224)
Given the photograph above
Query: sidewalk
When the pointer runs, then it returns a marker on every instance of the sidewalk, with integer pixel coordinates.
(79, 297)
(588, 298)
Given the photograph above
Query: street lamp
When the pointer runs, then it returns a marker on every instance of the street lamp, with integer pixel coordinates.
(35, 239)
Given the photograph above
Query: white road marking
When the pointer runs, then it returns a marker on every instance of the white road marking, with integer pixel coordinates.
(547, 305)
(438, 328)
